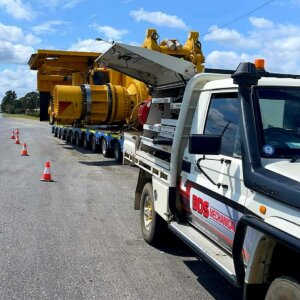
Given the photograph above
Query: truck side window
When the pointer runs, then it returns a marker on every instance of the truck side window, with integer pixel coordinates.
(223, 119)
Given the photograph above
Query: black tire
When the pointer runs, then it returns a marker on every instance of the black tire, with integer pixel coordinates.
(72, 138)
(104, 149)
(153, 227)
(94, 146)
(59, 133)
(56, 132)
(284, 288)
(86, 143)
(68, 137)
(118, 155)
(78, 140)
(64, 135)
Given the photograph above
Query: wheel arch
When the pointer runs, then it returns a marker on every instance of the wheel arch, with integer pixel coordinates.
(144, 177)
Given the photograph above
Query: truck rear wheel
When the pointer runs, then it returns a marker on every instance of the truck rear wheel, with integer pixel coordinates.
(104, 149)
(153, 226)
(118, 155)
(284, 288)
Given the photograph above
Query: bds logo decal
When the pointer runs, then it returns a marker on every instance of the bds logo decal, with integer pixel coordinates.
(201, 206)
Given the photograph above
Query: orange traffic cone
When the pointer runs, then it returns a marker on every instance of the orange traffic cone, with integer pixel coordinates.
(17, 131)
(17, 139)
(47, 175)
(24, 150)
(12, 136)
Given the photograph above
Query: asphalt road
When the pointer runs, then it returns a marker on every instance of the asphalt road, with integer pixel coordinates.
(79, 237)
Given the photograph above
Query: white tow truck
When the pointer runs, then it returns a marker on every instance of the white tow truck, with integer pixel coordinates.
(219, 161)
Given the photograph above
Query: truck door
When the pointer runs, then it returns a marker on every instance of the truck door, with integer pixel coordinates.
(215, 209)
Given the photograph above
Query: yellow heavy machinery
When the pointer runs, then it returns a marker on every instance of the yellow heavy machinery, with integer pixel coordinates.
(59, 67)
(83, 93)
(91, 103)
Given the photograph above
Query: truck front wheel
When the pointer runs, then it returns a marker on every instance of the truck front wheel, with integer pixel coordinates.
(152, 225)
(284, 288)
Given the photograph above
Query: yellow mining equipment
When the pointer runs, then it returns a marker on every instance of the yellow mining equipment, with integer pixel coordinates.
(190, 51)
(59, 67)
(112, 102)
(84, 93)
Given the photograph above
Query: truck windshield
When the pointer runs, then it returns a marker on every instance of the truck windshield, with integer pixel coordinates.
(279, 110)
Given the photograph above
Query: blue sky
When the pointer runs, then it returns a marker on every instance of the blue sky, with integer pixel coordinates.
(272, 32)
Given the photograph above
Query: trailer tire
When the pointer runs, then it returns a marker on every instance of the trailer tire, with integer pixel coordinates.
(72, 139)
(153, 227)
(86, 144)
(118, 155)
(94, 145)
(64, 135)
(104, 149)
(77, 139)
(284, 288)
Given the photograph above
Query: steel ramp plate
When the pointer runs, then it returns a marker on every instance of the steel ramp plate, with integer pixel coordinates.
(151, 67)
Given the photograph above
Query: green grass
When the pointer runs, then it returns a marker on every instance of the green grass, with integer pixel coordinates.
(23, 116)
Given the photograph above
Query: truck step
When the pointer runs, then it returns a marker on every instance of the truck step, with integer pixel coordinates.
(205, 248)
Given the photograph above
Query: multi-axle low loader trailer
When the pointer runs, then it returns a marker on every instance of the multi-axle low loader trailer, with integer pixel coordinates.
(219, 161)
(99, 112)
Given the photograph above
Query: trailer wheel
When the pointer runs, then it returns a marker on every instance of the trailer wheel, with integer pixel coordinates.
(77, 139)
(72, 139)
(104, 148)
(64, 135)
(94, 145)
(152, 225)
(86, 144)
(284, 288)
(118, 155)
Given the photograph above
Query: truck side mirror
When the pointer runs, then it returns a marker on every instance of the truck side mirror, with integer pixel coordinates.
(205, 144)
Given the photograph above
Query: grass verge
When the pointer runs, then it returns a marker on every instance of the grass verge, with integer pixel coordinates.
(23, 116)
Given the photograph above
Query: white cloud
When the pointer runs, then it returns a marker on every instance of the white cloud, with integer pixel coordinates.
(229, 37)
(15, 34)
(261, 22)
(21, 80)
(15, 45)
(14, 53)
(278, 43)
(18, 9)
(90, 45)
(66, 4)
(226, 59)
(48, 27)
(158, 18)
(109, 32)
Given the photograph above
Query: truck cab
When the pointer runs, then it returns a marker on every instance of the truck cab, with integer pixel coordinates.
(219, 167)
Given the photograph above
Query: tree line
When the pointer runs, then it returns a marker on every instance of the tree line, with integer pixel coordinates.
(28, 104)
